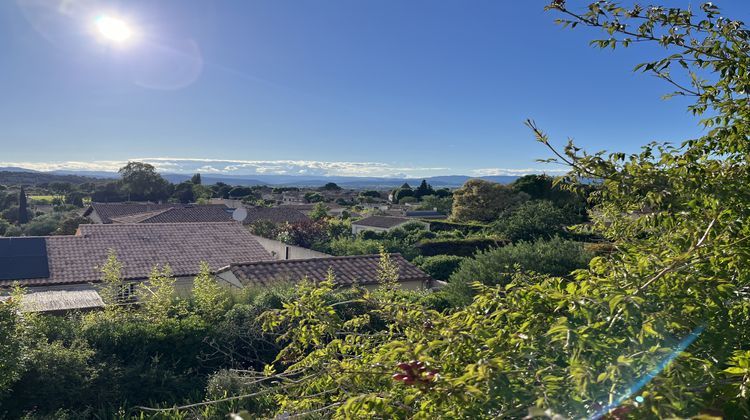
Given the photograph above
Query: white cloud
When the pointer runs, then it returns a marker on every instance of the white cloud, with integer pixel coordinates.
(515, 172)
(271, 167)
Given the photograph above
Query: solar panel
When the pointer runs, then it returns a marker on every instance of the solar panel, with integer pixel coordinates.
(23, 258)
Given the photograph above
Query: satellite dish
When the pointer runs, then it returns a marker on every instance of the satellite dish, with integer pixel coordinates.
(239, 214)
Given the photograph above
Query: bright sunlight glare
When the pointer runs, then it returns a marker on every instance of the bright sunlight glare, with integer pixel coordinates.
(113, 29)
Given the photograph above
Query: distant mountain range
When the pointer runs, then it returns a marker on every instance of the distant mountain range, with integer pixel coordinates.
(452, 181)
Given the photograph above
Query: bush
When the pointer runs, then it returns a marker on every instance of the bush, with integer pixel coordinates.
(556, 257)
(537, 219)
(440, 267)
(354, 246)
(465, 228)
(460, 247)
(57, 375)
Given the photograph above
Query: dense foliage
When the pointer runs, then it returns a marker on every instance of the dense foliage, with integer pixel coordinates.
(556, 257)
(657, 327)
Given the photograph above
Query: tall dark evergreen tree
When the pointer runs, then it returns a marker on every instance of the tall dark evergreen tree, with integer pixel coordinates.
(423, 189)
(196, 179)
(23, 211)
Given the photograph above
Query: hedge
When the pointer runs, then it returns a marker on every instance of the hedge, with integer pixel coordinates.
(444, 226)
(460, 247)
(439, 267)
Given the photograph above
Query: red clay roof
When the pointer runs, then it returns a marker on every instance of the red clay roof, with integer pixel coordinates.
(357, 269)
(77, 259)
(274, 215)
(187, 214)
(109, 211)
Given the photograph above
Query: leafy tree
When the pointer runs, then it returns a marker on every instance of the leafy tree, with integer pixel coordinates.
(239, 192)
(43, 225)
(112, 285)
(484, 201)
(61, 187)
(423, 189)
(370, 193)
(314, 197)
(211, 300)
(183, 193)
(196, 179)
(69, 225)
(401, 193)
(443, 193)
(433, 202)
(23, 211)
(141, 182)
(75, 198)
(330, 186)
(545, 187)
(536, 219)
(158, 295)
(109, 192)
(201, 193)
(319, 212)
(221, 190)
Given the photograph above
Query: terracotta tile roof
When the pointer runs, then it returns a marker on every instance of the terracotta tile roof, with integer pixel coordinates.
(385, 222)
(109, 211)
(186, 214)
(75, 259)
(274, 215)
(357, 269)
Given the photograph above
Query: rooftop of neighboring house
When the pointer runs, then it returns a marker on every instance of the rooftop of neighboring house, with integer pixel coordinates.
(348, 270)
(182, 214)
(77, 259)
(385, 222)
(109, 211)
(274, 215)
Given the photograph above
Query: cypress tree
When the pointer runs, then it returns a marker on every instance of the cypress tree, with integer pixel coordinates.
(23, 212)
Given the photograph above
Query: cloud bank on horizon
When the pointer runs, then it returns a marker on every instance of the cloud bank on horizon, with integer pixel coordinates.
(273, 167)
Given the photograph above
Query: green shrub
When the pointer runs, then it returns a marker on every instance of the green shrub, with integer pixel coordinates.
(440, 267)
(536, 219)
(556, 257)
(465, 228)
(460, 247)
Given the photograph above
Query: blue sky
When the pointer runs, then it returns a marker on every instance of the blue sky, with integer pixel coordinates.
(369, 87)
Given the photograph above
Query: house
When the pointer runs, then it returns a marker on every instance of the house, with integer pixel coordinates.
(72, 263)
(382, 224)
(293, 197)
(107, 213)
(287, 214)
(350, 270)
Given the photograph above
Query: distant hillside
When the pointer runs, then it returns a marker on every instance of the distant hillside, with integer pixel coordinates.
(26, 177)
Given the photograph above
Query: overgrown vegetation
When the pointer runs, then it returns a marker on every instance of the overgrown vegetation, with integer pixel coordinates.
(656, 327)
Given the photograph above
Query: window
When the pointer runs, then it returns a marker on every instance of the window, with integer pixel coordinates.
(125, 293)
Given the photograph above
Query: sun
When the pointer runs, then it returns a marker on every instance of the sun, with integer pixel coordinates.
(113, 29)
